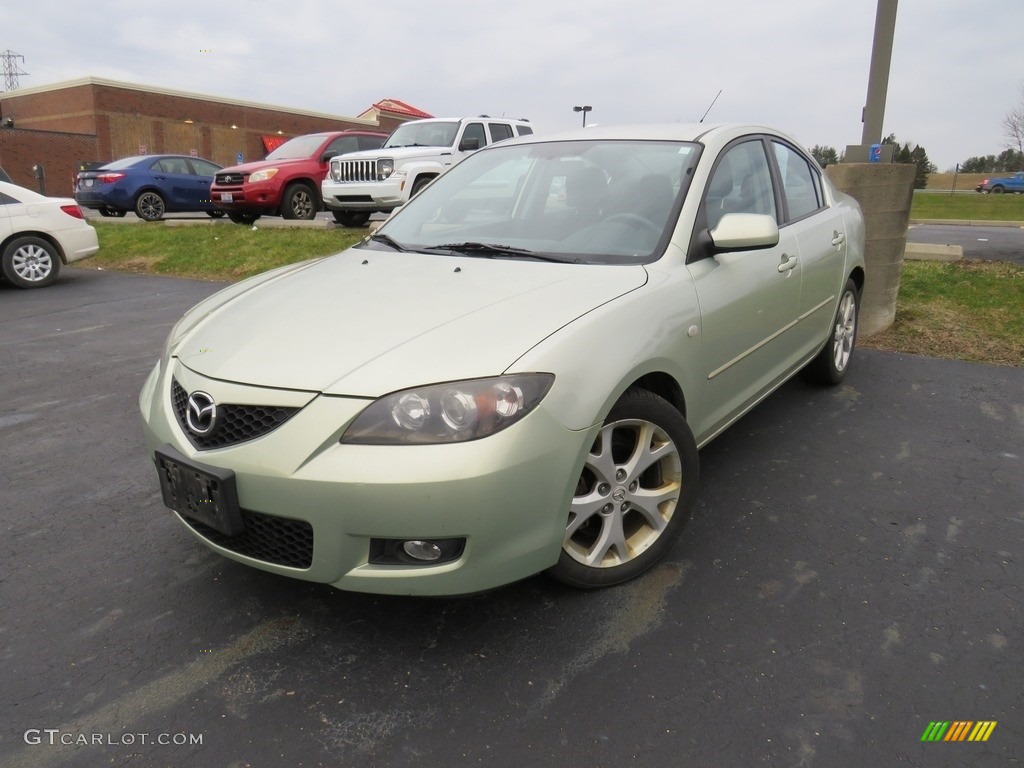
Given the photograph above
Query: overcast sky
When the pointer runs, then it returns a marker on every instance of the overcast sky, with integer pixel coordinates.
(798, 65)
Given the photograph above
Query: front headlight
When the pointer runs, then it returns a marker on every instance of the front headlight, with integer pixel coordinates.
(449, 413)
(385, 168)
(264, 175)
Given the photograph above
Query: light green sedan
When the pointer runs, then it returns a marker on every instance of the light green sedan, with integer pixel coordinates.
(515, 373)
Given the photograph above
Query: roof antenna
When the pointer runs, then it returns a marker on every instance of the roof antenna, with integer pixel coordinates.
(710, 106)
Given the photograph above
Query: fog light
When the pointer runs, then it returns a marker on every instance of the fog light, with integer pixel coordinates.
(427, 551)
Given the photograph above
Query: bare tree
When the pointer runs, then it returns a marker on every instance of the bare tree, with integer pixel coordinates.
(1013, 125)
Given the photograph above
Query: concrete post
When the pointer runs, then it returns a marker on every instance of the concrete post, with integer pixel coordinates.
(885, 192)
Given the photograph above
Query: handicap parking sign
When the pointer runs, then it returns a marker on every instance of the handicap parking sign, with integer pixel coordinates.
(239, 158)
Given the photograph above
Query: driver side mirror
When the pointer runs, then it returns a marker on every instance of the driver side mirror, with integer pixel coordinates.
(745, 232)
(328, 154)
(469, 144)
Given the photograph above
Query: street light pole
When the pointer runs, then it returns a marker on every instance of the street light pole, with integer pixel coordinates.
(878, 74)
(584, 110)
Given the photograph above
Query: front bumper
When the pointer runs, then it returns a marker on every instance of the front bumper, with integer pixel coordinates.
(375, 197)
(507, 495)
(260, 197)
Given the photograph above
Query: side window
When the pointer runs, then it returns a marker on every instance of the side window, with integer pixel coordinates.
(7, 199)
(799, 182)
(475, 131)
(742, 183)
(172, 165)
(524, 130)
(203, 168)
(500, 132)
(343, 144)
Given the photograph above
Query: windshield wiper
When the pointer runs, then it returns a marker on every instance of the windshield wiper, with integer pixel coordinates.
(388, 240)
(490, 250)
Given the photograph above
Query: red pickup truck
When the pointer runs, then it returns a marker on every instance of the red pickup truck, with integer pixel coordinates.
(287, 182)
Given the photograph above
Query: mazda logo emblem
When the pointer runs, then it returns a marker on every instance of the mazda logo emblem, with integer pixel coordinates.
(201, 413)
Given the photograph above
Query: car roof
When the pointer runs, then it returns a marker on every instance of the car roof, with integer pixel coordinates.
(705, 133)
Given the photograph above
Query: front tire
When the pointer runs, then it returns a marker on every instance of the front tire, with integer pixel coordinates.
(215, 214)
(30, 262)
(350, 218)
(634, 496)
(833, 362)
(150, 206)
(243, 218)
(299, 203)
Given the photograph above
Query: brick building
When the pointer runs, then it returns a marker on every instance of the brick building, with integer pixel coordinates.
(95, 120)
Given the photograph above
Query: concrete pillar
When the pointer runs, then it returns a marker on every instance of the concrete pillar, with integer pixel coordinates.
(885, 192)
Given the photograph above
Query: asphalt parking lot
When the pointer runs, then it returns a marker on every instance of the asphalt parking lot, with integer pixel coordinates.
(855, 571)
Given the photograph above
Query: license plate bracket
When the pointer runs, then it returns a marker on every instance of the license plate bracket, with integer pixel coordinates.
(200, 492)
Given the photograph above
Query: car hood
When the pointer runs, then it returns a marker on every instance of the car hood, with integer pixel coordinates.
(257, 165)
(397, 153)
(364, 323)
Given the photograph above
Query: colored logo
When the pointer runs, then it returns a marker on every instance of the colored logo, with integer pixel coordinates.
(959, 730)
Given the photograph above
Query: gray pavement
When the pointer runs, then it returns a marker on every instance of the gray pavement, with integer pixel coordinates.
(854, 572)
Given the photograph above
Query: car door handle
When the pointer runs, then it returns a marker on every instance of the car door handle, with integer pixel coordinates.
(159, 178)
(788, 263)
(838, 238)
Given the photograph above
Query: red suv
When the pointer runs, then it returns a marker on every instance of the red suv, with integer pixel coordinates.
(287, 183)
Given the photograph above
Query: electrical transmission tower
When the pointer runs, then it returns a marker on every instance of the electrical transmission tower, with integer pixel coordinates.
(11, 69)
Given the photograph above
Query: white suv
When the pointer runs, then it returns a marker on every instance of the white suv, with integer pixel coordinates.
(380, 180)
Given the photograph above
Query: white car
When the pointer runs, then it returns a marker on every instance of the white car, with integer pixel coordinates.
(38, 234)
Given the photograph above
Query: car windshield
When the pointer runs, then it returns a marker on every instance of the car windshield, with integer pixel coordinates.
(587, 201)
(435, 133)
(299, 147)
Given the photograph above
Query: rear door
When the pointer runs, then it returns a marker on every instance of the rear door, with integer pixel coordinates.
(6, 228)
(177, 183)
(820, 234)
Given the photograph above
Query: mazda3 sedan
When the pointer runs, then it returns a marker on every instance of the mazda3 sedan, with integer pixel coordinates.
(516, 372)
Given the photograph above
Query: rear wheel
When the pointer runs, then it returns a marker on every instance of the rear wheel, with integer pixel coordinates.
(299, 203)
(634, 496)
(150, 206)
(997, 190)
(215, 214)
(350, 218)
(833, 362)
(30, 262)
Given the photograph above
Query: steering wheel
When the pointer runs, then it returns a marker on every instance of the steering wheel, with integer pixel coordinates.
(636, 221)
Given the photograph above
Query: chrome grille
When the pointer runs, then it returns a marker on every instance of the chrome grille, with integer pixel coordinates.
(229, 179)
(348, 171)
(235, 423)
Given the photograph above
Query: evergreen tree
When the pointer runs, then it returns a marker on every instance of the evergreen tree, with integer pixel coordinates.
(912, 153)
(824, 155)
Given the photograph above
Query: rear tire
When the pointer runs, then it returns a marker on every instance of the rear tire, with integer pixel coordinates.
(215, 214)
(243, 218)
(350, 218)
(300, 202)
(30, 262)
(150, 206)
(833, 362)
(997, 190)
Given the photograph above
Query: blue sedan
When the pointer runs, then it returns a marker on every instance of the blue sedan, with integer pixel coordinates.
(149, 185)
